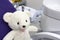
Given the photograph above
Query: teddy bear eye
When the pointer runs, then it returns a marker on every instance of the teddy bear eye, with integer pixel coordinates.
(18, 23)
(26, 20)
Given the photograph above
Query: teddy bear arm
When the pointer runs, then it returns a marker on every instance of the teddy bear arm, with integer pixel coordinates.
(32, 28)
(10, 35)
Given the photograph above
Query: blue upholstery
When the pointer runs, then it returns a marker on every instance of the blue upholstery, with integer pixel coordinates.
(5, 6)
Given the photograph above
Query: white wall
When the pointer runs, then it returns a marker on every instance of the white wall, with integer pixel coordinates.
(34, 3)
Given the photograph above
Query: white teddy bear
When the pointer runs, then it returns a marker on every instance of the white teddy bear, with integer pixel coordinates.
(20, 23)
(35, 15)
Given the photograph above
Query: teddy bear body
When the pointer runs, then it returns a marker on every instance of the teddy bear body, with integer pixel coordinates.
(18, 35)
(19, 22)
(22, 36)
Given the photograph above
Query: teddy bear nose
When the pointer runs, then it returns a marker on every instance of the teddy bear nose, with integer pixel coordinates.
(23, 26)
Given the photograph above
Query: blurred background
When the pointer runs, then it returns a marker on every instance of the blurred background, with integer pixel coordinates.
(36, 4)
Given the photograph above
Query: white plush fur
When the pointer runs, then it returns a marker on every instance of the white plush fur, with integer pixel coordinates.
(16, 21)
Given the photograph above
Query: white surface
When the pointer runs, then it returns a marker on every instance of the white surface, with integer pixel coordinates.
(49, 24)
(52, 8)
(36, 4)
(48, 35)
(52, 4)
(51, 18)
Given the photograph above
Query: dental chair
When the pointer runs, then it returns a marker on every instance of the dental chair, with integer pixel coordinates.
(44, 35)
(49, 21)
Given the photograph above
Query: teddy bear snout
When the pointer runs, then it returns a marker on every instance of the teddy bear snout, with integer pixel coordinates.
(23, 26)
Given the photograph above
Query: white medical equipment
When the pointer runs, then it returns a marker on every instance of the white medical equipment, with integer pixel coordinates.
(45, 36)
(50, 21)
(51, 18)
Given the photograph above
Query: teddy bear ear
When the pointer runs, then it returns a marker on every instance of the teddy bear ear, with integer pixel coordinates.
(7, 16)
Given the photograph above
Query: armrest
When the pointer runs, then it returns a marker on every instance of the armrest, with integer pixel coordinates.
(47, 35)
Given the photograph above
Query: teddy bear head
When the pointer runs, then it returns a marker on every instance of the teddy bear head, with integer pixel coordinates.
(18, 20)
